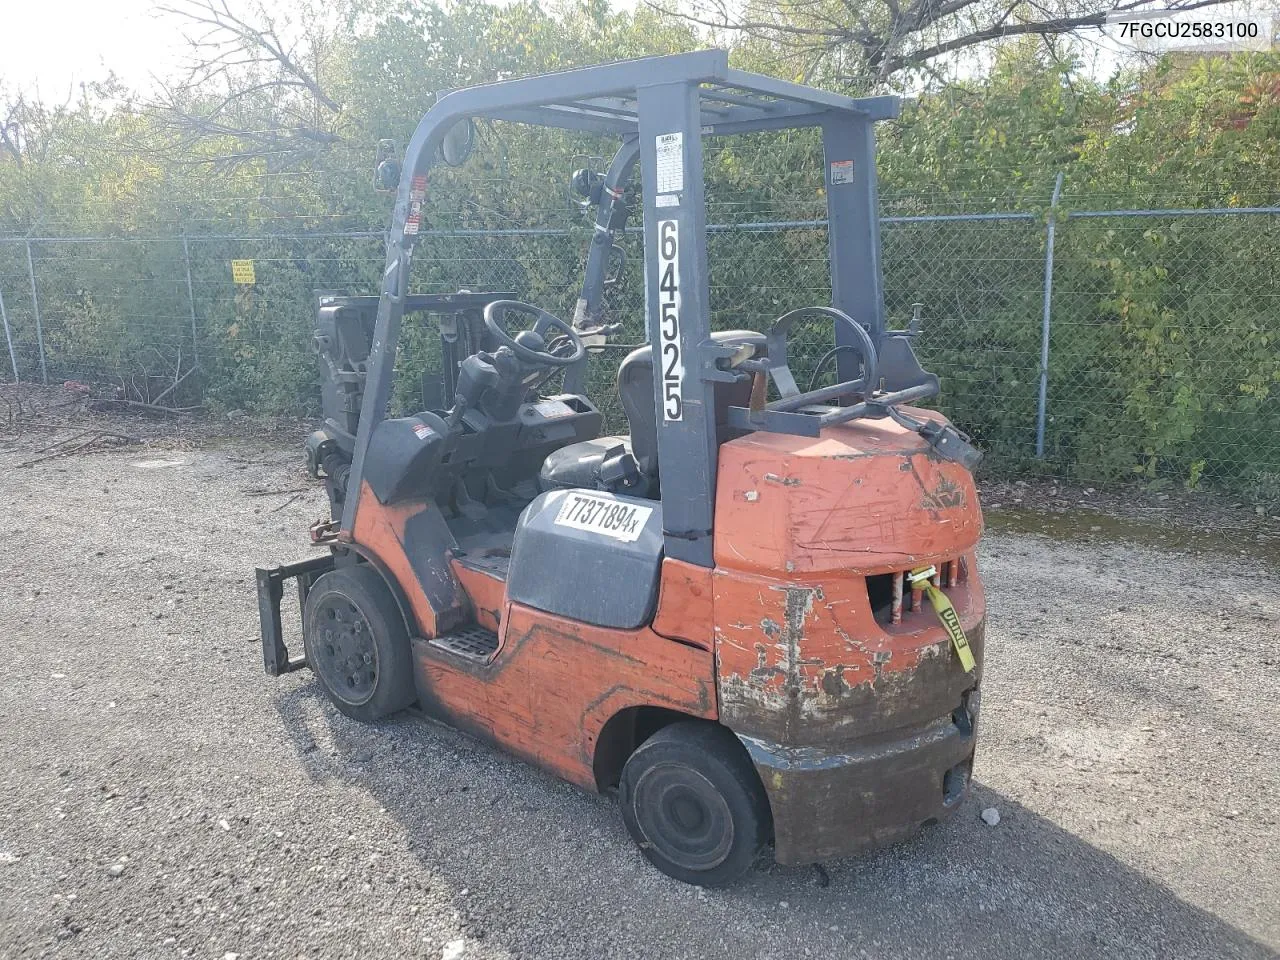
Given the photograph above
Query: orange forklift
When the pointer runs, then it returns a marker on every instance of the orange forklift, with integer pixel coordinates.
(758, 614)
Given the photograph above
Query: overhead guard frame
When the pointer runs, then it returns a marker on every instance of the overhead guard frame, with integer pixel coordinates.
(695, 94)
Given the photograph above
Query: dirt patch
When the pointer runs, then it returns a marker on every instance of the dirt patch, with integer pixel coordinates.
(59, 418)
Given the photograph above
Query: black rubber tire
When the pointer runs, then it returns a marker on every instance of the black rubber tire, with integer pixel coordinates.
(703, 767)
(391, 686)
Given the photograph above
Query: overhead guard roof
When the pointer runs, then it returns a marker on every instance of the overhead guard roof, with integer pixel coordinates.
(602, 99)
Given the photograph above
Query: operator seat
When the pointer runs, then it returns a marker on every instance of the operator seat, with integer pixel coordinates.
(596, 464)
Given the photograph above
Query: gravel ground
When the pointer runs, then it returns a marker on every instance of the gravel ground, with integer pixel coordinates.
(161, 797)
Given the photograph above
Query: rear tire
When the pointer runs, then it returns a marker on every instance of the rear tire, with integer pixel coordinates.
(357, 644)
(694, 805)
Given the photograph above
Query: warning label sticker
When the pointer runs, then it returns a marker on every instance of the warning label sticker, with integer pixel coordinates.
(670, 147)
(553, 409)
(414, 220)
(841, 171)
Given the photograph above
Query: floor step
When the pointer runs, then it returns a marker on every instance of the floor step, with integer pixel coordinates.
(473, 643)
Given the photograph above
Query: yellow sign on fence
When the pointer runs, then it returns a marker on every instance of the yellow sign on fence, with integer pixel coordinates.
(242, 272)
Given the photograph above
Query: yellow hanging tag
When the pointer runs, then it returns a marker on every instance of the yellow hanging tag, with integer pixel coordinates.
(947, 616)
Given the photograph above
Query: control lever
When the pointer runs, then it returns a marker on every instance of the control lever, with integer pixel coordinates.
(743, 358)
(598, 335)
(586, 182)
(914, 327)
(476, 374)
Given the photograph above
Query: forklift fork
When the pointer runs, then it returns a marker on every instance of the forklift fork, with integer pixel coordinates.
(275, 655)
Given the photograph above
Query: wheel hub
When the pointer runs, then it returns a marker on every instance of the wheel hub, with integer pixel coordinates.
(345, 651)
(684, 816)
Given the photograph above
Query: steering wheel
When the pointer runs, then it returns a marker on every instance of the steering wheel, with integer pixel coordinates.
(530, 351)
(791, 398)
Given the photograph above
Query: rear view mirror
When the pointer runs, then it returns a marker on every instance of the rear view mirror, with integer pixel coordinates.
(458, 143)
(585, 182)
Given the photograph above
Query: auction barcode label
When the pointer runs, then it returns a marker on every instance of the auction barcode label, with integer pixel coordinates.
(613, 518)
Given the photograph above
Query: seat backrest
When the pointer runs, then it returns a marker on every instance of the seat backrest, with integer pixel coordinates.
(639, 403)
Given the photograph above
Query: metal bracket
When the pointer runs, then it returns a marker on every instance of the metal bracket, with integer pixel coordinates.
(710, 354)
(776, 421)
(275, 655)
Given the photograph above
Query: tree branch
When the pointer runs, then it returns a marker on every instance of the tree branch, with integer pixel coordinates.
(887, 38)
(238, 33)
(1003, 29)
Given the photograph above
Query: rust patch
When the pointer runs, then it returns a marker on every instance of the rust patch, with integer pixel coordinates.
(833, 681)
(887, 789)
(815, 666)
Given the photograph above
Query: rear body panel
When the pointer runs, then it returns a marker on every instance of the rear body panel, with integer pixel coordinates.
(853, 721)
(806, 663)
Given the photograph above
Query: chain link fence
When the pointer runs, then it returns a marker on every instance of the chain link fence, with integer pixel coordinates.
(1162, 326)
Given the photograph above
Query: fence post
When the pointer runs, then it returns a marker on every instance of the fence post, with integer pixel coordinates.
(1050, 230)
(35, 306)
(8, 337)
(191, 302)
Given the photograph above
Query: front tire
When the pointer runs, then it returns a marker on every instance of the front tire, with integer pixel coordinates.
(693, 804)
(357, 644)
